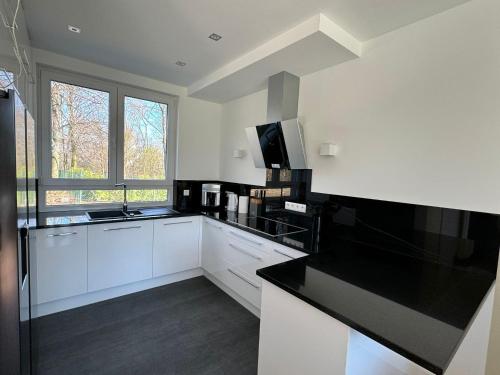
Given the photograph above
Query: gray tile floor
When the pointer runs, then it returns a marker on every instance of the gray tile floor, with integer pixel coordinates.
(189, 327)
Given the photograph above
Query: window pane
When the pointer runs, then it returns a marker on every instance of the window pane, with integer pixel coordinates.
(6, 80)
(79, 132)
(79, 197)
(145, 137)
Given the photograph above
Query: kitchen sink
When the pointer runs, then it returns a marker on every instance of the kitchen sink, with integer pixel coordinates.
(134, 213)
(119, 214)
(106, 215)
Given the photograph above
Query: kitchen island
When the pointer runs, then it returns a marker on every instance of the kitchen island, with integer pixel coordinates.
(359, 310)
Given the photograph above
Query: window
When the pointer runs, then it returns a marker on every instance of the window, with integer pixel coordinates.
(94, 197)
(145, 145)
(6, 79)
(79, 132)
(96, 134)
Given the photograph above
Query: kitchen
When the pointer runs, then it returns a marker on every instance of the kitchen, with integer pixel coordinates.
(269, 188)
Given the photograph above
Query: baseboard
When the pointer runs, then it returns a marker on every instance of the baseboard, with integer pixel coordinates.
(247, 305)
(102, 295)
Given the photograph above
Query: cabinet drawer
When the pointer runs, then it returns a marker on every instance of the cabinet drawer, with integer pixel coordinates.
(119, 253)
(245, 237)
(239, 254)
(241, 282)
(176, 245)
(59, 260)
(279, 254)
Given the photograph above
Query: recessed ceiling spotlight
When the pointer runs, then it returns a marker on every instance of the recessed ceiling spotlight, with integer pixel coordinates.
(180, 63)
(74, 29)
(215, 37)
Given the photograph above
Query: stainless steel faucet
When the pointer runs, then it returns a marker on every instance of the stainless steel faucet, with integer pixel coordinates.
(125, 204)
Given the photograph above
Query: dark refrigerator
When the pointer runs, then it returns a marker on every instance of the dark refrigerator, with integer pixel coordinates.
(17, 213)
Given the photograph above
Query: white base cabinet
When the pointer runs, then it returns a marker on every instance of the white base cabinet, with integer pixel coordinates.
(77, 265)
(212, 245)
(58, 263)
(119, 253)
(296, 338)
(176, 245)
(233, 257)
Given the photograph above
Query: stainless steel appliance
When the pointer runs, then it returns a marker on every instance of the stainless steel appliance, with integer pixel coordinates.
(18, 196)
(210, 196)
(280, 142)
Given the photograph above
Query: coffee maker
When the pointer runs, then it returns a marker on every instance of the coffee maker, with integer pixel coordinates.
(210, 196)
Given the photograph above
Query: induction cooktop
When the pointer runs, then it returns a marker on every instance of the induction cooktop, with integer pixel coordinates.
(271, 227)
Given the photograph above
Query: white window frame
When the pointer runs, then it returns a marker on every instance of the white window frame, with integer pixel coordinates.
(46, 178)
(169, 162)
(117, 92)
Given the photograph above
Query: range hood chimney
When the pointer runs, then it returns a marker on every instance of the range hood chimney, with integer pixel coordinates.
(279, 143)
(282, 97)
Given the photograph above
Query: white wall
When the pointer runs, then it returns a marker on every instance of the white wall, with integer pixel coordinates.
(198, 147)
(417, 119)
(236, 116)
(198, 127)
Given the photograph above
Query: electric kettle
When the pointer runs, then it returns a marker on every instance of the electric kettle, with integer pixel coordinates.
(232, 201)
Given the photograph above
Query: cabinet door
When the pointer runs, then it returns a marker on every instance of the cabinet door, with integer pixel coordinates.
(119, 253)
(213, 245)
(176, 245)
(60, 263)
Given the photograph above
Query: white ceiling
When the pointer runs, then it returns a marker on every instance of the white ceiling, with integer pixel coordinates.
(147, 37)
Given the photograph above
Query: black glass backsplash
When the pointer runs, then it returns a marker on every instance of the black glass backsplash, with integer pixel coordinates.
(459, 238)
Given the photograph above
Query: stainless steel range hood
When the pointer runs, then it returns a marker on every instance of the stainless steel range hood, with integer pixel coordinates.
(280, 142)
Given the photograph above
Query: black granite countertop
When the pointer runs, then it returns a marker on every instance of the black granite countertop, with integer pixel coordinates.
(301, 241)
(57, 219)
(418, 308)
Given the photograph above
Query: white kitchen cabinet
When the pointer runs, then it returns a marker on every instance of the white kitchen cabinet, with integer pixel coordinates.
(176, 245)
(59, 263)
(233, 256)
(119, 253)
(295, 337)
(213, 243)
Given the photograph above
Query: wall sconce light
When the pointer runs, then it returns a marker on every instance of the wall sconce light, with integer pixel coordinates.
(328, 149)
(237, 153)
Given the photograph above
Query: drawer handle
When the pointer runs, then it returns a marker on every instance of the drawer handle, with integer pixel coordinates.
(62, 234)
(243, 278)
(282, 253)
(246, 252)
(121, 228)
(179, 222)
(245, 238)
(213, 224)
